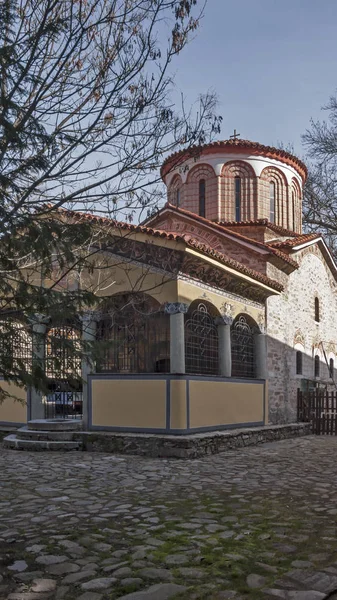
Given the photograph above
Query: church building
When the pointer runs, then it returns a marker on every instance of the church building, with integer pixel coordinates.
(211, 314)
(244, 200)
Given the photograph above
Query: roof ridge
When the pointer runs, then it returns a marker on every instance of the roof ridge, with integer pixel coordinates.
(291, 242)
(264, 222)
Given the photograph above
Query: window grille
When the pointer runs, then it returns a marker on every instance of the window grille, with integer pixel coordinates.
(134, 336)
(243, 351)
(63, 360)
(299, 362)
(202, 198)
(63, 352)
(15, 348)
(201, 341)
(237, 198)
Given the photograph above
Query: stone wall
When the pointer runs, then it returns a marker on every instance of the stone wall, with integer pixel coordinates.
(189, 446)
(291, 327)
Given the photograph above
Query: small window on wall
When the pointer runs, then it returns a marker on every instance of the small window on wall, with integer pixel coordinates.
(202, 198)
(317, 366)
(317, 309)
(272, 202)
(299, 362)
(331, 368)
(237, 198)
(178, 197)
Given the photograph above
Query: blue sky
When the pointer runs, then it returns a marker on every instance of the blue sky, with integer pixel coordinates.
(273, 64)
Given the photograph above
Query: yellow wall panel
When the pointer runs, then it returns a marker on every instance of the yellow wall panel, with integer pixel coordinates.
(12, 411)
(129, 403)
(178, 405)
(215, 403)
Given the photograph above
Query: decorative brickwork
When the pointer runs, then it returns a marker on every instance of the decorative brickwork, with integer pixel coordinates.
(295, 208)
(248, 188)
(245, 172)
(191, 192)
(175, 192)
(269, 176)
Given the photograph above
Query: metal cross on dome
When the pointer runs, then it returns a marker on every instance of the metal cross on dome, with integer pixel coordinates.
(235, 135)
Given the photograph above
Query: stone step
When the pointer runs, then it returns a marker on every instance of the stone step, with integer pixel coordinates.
(14, 443)
(52, 436)
(55, 424)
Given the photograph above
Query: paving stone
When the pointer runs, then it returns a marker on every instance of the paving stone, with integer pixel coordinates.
(27, 576)
(255, 581)
(75, 577)
(134, 581)
(176, 559)
(43, 585)
(63, 568)
(18, 565)
(153, 573)
(50, 559)
(123, 572)
(301, 564)
(90, 596)
(295, 594)
(102, 583)
(162, 591)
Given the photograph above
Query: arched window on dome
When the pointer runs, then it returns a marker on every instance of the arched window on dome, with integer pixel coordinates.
(237, 198)
(272, 189)
(202, 198)
(178, 197)
(293, 209)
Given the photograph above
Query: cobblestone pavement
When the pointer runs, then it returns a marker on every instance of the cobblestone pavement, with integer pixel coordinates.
(255, 523)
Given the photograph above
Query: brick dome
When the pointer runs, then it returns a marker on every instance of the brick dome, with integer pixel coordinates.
(237, 180)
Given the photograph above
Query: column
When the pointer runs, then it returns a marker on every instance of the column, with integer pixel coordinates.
(176, 310)
(225, 349)
(39, 328)
(260, 343)
(89, 326)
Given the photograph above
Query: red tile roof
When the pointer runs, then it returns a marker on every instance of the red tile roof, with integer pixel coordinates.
(186, 239)
(229, 232)
(261, 222)
(297, 241)
(237, 146)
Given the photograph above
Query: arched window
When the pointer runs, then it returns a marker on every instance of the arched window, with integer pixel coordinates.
(331, 368)
(237, 182)
(202, 198)
(242, 343)
(201, 340)
(134, 332)
(317, 310)
(317, 366)
(299, 362)
(293, 209)
(178, 197)
(272, 202)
